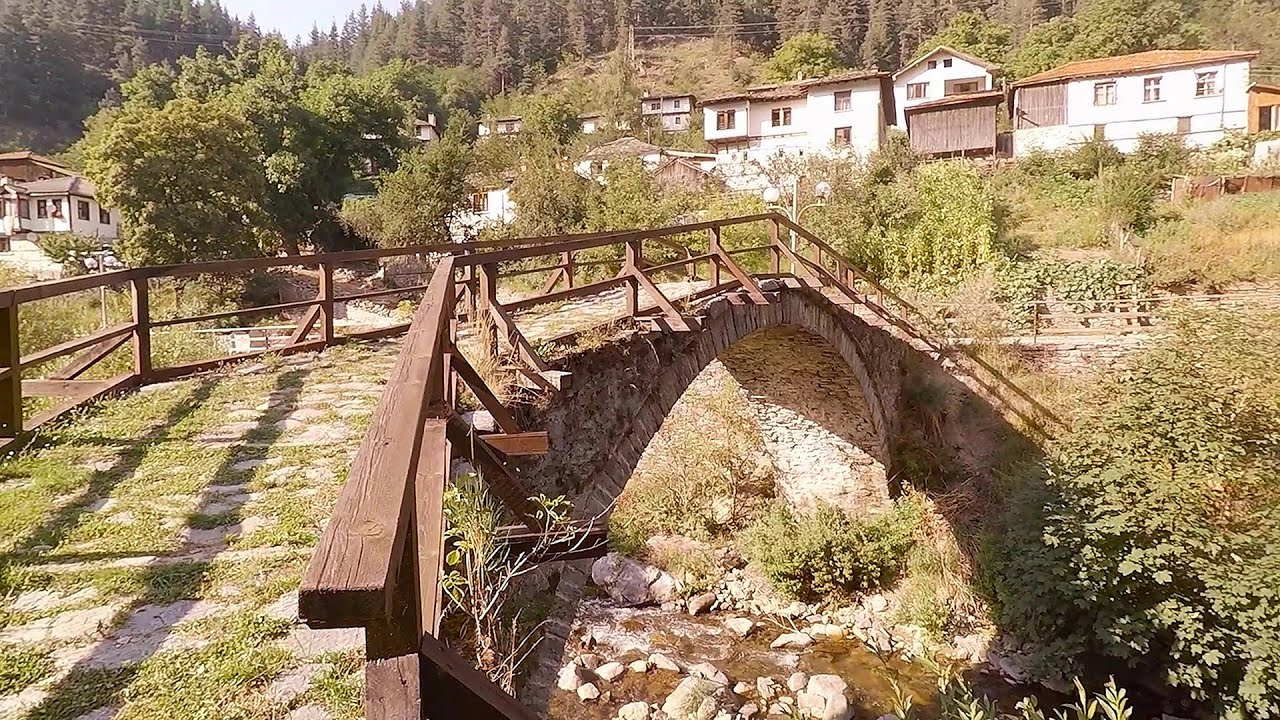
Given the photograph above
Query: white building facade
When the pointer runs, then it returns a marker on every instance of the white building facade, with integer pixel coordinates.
(843, 114)
(29, 210)
(941, 73)
(674, 112)
(1199, 95)
(500, 126)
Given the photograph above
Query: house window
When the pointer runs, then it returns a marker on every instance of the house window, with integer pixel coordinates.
(677, 104)
(42, 209)
(781, 117)
(57, 208)
(917, 91)
(480, 202)
(655, 106)
(4, 244)
(1184, 125)
(1207, 83)
(725, 119)
(1267, 118)
(1151, 89)
(104, 216)
(82, 210)
(933, 64)
(965, 87)
(1099, 132)
(844, 136)
(679, 121)
(1104, 93)
(24, 209)
(844, 100)
(948, 63)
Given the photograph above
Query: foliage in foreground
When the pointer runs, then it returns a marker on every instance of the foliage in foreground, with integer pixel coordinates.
(957, 702)
(828, 553)
(1153, 538)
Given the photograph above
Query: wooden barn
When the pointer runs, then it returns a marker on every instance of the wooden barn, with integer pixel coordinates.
(1264, 107)
(957, 126)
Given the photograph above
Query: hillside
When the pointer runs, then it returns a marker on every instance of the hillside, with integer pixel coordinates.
(703, 67)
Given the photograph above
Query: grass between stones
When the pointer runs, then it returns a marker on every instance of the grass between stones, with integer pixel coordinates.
(180, 517)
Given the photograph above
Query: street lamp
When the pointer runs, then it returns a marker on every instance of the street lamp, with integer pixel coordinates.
(773, 197)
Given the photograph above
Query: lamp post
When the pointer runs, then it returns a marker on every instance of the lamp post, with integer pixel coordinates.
(773, 196)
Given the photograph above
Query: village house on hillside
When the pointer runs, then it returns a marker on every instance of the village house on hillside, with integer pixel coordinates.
(948, 104)
(849, 111)
(39, 196)
(426, 129)
(509, 125)
(1199, 95)
(670, 168)
(673, 111)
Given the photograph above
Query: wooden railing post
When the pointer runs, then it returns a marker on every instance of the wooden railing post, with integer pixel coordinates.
(141, 328)
(634, 258)
(326, 302)
(713, 246)
(567, 258)
(487, 287)
(775, 253)
(11, 384)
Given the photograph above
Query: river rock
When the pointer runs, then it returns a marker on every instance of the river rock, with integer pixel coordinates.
(739, 626)
(878, 603)
(634, 711)
(572, 677)
(590, 661)
(742, 688)
(766, 688)
(610, 671)
(797, 681)
(632, 584)
(707, 671)
(701, 603)
(588, 692)
(827, 631)
(662, 662)
(792, 640)
(824, 698)
(748, 711)
(639, 666)
(694, 698)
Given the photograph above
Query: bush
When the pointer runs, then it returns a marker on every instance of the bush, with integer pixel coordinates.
(828, 553)
(1152, 538)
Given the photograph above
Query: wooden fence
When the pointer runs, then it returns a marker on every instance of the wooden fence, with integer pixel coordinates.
(379, 563)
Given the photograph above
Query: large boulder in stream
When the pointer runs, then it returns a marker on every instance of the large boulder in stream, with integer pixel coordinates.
(695, 698)
(632, 584)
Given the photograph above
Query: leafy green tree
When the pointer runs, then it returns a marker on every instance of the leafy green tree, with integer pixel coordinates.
(549, 118)
(1152, 535)
(629, 198)
(419, 202)
(1045, 46)
(549, 197)
(1118, 27)
(973, 33)
(187, 179)
(803, 55)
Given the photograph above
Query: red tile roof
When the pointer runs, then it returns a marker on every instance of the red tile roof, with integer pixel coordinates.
(1138, 62)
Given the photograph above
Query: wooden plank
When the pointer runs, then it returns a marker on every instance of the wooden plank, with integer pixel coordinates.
(382, 293)
(351, 578)
(278, 307)
(452, 688)
(553, 281)
(580, 291)
(11, 383)
(487, 399)
(692, 259)
(327, 292)
(510, 489)
(527, 352)
(116, 384)
(526, 444)
(377, 333)
(678, 322)
(73, 346)
(89, 358)
(61, 388)
(393, 689)
(305, 325)
(428, 495)
(174, 372)
(742, 277)
(139, 289)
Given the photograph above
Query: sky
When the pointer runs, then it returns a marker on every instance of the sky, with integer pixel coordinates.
(294, 17)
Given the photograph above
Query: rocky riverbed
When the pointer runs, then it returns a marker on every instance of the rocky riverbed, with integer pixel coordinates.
(642, 651)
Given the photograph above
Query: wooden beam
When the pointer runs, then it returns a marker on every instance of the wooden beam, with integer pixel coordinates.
(89, 358)
(677, 321)
(509, 488)
(305, 325)
(174, 372)
(116, 384)
(507, 324)
(453, 689)
(742, 277)
(11, 383)
(393, 688)
(140, 292)
(327, 293)
(434, 460)
(526, 444)
(487, 399)
(62, 388)
(73, 346)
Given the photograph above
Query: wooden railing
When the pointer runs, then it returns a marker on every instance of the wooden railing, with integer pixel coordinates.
(378, 564)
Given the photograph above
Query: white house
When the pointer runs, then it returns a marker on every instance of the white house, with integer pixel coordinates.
(426, 129)
(596, 161)
(590, 123)
(490, 205)
(1197, 94)
(674, 111)
(848, 112)
(509, 125)
(941, 73)
(62, 204)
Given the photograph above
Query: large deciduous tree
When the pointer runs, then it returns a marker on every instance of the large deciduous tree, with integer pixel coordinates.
(419, 202)
(801, 56)
(972, 32)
